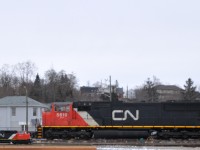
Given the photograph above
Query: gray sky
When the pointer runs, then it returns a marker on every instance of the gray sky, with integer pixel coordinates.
(130, 40)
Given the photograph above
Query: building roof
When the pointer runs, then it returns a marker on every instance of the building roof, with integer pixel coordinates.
(87, 89)
(20, 101)
(167, 87)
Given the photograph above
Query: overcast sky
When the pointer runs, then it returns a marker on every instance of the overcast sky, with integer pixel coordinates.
(130, 40)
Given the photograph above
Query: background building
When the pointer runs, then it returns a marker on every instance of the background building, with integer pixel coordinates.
(168, 92)
(100, 93)
(13, 113)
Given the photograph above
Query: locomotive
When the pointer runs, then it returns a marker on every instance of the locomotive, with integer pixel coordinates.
(117, 119)
(12, 136)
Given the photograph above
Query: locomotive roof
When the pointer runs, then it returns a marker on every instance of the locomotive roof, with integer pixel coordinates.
(86, 103)
(62, 103)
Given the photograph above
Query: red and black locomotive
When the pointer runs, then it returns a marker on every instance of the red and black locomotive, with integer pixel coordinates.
(118, 119)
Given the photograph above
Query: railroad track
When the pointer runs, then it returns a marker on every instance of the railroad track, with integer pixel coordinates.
(135, 142)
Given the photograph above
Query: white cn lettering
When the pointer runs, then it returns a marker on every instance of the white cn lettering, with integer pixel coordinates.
(126, 113)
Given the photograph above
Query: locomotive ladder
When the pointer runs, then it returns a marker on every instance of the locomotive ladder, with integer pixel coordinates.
(39, 132)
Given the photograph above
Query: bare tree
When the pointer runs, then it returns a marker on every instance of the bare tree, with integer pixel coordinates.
(156, 81)
(97, 84)
(65, 85)
(73, 80)
(7, 81)
(73, 84)
(51, 79)
(25, 70)
(61, 86)
(54, 87)
(140, 94)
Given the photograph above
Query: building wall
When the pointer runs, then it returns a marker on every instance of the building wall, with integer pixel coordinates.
(4, 118)
(17, 122)
(164, 95)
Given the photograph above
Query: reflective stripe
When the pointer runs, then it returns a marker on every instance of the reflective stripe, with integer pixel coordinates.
(12, 136)
(87, 118)
(131, 127)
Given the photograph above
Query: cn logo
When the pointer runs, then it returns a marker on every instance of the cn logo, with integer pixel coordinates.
(125, 114)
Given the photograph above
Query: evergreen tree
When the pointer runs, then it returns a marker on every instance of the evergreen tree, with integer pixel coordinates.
(189, 93)
(150, 91)
(63, 89)
(36, 91)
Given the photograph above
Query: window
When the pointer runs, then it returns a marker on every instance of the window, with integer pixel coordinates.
(13, 109)
(34, 111)
(60, 108)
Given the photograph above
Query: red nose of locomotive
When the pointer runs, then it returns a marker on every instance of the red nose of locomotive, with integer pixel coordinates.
(62, 114)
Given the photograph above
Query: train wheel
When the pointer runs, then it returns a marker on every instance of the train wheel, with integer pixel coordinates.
(66, 137)
(83, 136)
(185, 136)
(48, 135)
(14, 142)
(166, 136)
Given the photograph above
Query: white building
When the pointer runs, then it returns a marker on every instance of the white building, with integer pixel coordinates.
(13, 113)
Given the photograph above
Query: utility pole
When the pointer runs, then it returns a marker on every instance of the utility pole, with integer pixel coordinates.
(110, 90)
(26, 109)
(127, 92)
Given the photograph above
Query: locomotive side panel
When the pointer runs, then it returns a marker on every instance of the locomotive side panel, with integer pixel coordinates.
(145, 114)
(123, 114)
(180, 114)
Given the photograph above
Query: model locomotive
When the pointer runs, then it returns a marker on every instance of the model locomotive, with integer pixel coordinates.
(118, 119)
